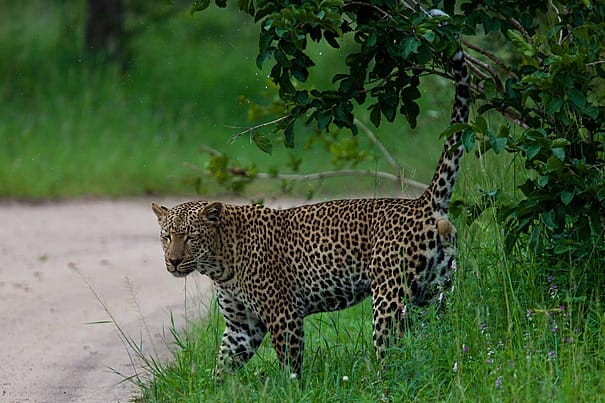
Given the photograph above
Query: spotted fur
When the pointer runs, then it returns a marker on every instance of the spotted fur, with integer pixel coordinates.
(271, 268)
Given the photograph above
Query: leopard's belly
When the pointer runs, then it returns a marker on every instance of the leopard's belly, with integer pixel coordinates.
(332, 292)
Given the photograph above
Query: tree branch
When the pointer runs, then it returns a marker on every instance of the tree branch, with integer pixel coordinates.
(418, 186)
(521, 29)
(499, 62)
(387, 155)
(253, 128)
(478, 72)
(380, 10)
(209, 150)
(515, 119)
(344, 172)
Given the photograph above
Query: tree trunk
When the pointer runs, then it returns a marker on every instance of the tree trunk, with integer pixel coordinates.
(104, 38)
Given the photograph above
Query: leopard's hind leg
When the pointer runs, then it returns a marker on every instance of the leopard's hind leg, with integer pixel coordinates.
(287, 336)
(388, 296)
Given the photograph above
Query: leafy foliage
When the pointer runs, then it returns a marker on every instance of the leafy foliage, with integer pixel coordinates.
(554, 73)
(391, 49)
(540, 65)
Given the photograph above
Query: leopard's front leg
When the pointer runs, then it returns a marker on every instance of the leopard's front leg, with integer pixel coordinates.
(238, 345)
(244, 333)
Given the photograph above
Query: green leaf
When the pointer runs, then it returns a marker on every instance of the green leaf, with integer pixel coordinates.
(532, 151)
(302, 97)
(489, 89)
(534, 238)
(468, 140)
(559, 153)
(453, 128)
(560, 142)
(353, 59)
(562, 248)
(410, 110)
(576, 97)
(429, 36)
(503, 131)
(372, 39)
(481, 125)
(289, 135)
(517, 38)
(567, 196)
(543, 181)
(388, 100)
(408, 46)
(300, 73)
(260, 59)
(554, 106)
(425, 54)
(554, 164)
(410, 93)
(375, 114)
(199, 5)
(591, 111)
(323, 120)
(263, 142)
(389, 112)
(548, 218)
(265, 49)
(595, 220)
(497, 143)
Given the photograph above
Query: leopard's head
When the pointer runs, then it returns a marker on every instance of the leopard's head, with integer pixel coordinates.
(189, 234)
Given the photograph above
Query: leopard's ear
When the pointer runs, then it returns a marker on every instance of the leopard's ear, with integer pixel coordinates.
(160, 211)
(212, 212)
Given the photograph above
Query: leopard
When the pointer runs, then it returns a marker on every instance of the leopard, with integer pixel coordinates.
(271, 268)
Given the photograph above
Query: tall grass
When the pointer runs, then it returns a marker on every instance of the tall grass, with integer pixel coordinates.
(499, 340)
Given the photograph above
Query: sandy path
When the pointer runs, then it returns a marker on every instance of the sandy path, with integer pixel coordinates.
(48, 352)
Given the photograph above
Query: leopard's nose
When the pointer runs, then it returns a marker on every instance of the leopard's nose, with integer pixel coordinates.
(175, 262)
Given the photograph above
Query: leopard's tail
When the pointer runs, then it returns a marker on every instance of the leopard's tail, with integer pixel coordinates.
(441, 187)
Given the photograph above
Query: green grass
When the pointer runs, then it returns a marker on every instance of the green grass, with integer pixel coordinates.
(485, 348)
(511, 332)
(70, 129)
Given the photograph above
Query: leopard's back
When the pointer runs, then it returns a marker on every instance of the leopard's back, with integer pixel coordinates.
(325, 254)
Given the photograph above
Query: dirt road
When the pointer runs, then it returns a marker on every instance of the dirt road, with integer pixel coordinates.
(51, 349)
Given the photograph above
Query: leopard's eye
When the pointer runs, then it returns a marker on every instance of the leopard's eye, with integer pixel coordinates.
(165, 235)
(192, 236)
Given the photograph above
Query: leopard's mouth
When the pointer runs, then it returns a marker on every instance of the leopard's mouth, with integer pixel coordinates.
(180, 274)
(180, 271)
